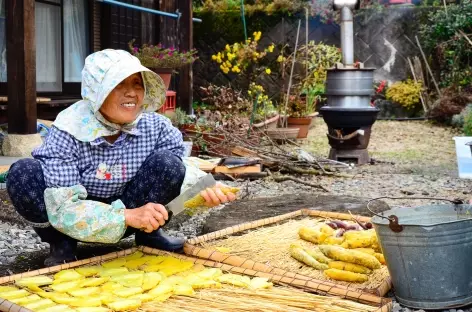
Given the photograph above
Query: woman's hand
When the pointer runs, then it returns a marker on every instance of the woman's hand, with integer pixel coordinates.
(215, 196)
(147, 218)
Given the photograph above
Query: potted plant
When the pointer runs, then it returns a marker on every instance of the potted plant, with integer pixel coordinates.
(162, 60)
(263, 113)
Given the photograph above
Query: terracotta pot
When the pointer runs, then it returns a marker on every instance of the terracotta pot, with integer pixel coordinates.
(313, 116)
(270, 123)
(283, 133)
(165, 74)
(303, 123)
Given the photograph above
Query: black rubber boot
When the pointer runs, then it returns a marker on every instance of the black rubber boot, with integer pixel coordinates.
(160, 240)
(62, 248)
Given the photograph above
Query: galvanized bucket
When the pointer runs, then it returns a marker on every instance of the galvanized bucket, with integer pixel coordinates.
(428, 250)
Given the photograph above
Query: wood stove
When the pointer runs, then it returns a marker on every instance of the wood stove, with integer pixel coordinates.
(349, 86)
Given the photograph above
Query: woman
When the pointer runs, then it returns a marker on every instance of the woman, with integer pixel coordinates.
(108, 164)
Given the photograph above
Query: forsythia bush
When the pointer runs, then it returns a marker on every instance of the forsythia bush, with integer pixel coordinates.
(238, 57)
(405, 93)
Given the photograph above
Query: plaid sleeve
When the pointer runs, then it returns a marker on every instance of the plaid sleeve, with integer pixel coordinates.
(170, 138)
(58, 156)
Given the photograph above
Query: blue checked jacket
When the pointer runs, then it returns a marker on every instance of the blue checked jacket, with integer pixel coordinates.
(74, 170)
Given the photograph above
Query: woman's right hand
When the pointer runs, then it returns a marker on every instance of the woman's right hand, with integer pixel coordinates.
(147, 218)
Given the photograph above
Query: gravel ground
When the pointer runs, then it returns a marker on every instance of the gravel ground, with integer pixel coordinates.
(413, 159)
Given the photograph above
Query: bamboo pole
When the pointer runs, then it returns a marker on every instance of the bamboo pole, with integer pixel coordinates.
(416, 80)
(465, 37)
(427, 66)
(285, 122)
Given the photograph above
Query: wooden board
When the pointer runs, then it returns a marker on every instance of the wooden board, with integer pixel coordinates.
(38, 99)
(198, 247)
(382, 304)
(238, 170)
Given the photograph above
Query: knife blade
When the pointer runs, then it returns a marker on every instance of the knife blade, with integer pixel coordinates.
(176, 206)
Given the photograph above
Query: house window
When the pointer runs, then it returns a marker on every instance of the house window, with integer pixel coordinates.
(61, 44)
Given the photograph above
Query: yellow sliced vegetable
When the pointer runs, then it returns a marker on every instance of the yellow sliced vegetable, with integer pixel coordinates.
(346, 276)
(223, 249)
(135, 255)
(7, 288)
(312, 235)
(210, 273)
(162, 298)
(127, 292)
(110, 286)
(89, 271)
(84, 292)
(57, 308)
(142, 297)
(66, 276)
(125, 304)
(298, 253)
(260, 283)
(352, 256)
(131, 279)
(108, 297)
(93, 309)
(341, 265)
(86, 302)
(134, 264)
(40, 280)
(66, 286)
(113, 271)
(93, 281)
(151, 280)
(25, 300)
(183, 290)
(117, 263)
(235, 280)
(14, 294)
(161, 289)
(40, 304)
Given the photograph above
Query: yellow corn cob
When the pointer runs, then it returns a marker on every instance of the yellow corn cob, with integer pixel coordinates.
(312, 235)
(199, 201)
(298, 253)
(317, 255)
(349, 255)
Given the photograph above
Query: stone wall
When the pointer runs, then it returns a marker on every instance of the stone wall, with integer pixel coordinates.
(383, 40)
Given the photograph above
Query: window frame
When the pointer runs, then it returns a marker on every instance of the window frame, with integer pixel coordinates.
(69, 89)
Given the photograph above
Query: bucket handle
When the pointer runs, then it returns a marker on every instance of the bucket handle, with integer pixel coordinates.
(393, 219)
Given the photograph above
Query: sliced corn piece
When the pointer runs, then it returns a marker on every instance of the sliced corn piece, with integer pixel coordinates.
(114, 263)
(14, 294)
(40, 280)
(84, 292)
(66, 286)
(67, 276)
(40, 304)
(127, 292)
(89, 271)
(125, 305)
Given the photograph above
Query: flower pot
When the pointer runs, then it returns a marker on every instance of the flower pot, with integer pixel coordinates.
(303, 123)
(165, 74)
(283, 133)
(313, 116)
(270, 123)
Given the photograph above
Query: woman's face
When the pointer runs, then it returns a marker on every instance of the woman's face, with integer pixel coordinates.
(123, 104)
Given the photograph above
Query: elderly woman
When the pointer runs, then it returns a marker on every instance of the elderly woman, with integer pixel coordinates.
(108, 164)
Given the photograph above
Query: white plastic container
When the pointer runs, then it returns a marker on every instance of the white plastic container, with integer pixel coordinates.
(188, 148)
(464, 157)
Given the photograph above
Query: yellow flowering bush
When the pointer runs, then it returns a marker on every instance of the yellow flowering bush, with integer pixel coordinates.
(265, 108)
(405, 93)
(239, 57)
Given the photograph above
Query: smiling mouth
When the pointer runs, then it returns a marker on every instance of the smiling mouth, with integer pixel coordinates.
(129, 105)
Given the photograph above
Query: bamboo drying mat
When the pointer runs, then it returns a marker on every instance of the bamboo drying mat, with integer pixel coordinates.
(270, 253)
(378, 303)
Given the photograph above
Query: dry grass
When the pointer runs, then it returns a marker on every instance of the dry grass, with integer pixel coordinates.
(270, 245)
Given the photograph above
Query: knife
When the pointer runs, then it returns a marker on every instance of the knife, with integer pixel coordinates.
(176, 206)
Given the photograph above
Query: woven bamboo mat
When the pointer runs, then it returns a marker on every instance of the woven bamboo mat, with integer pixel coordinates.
(263, 245)
(377, 304)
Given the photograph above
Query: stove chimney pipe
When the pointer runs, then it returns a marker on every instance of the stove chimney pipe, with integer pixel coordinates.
(347, 29)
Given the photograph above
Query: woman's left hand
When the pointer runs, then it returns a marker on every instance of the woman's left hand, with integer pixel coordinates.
(214, 196)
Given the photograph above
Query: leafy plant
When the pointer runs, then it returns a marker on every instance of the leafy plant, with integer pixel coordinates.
(158, 56)
(264, 107)
(441, 38)
(250, 7)
(467, 127)
(405, 93)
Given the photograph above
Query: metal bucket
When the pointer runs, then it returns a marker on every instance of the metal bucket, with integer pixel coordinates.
(428, 250)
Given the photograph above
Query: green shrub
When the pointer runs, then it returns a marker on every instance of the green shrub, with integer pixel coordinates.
(467, 128)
